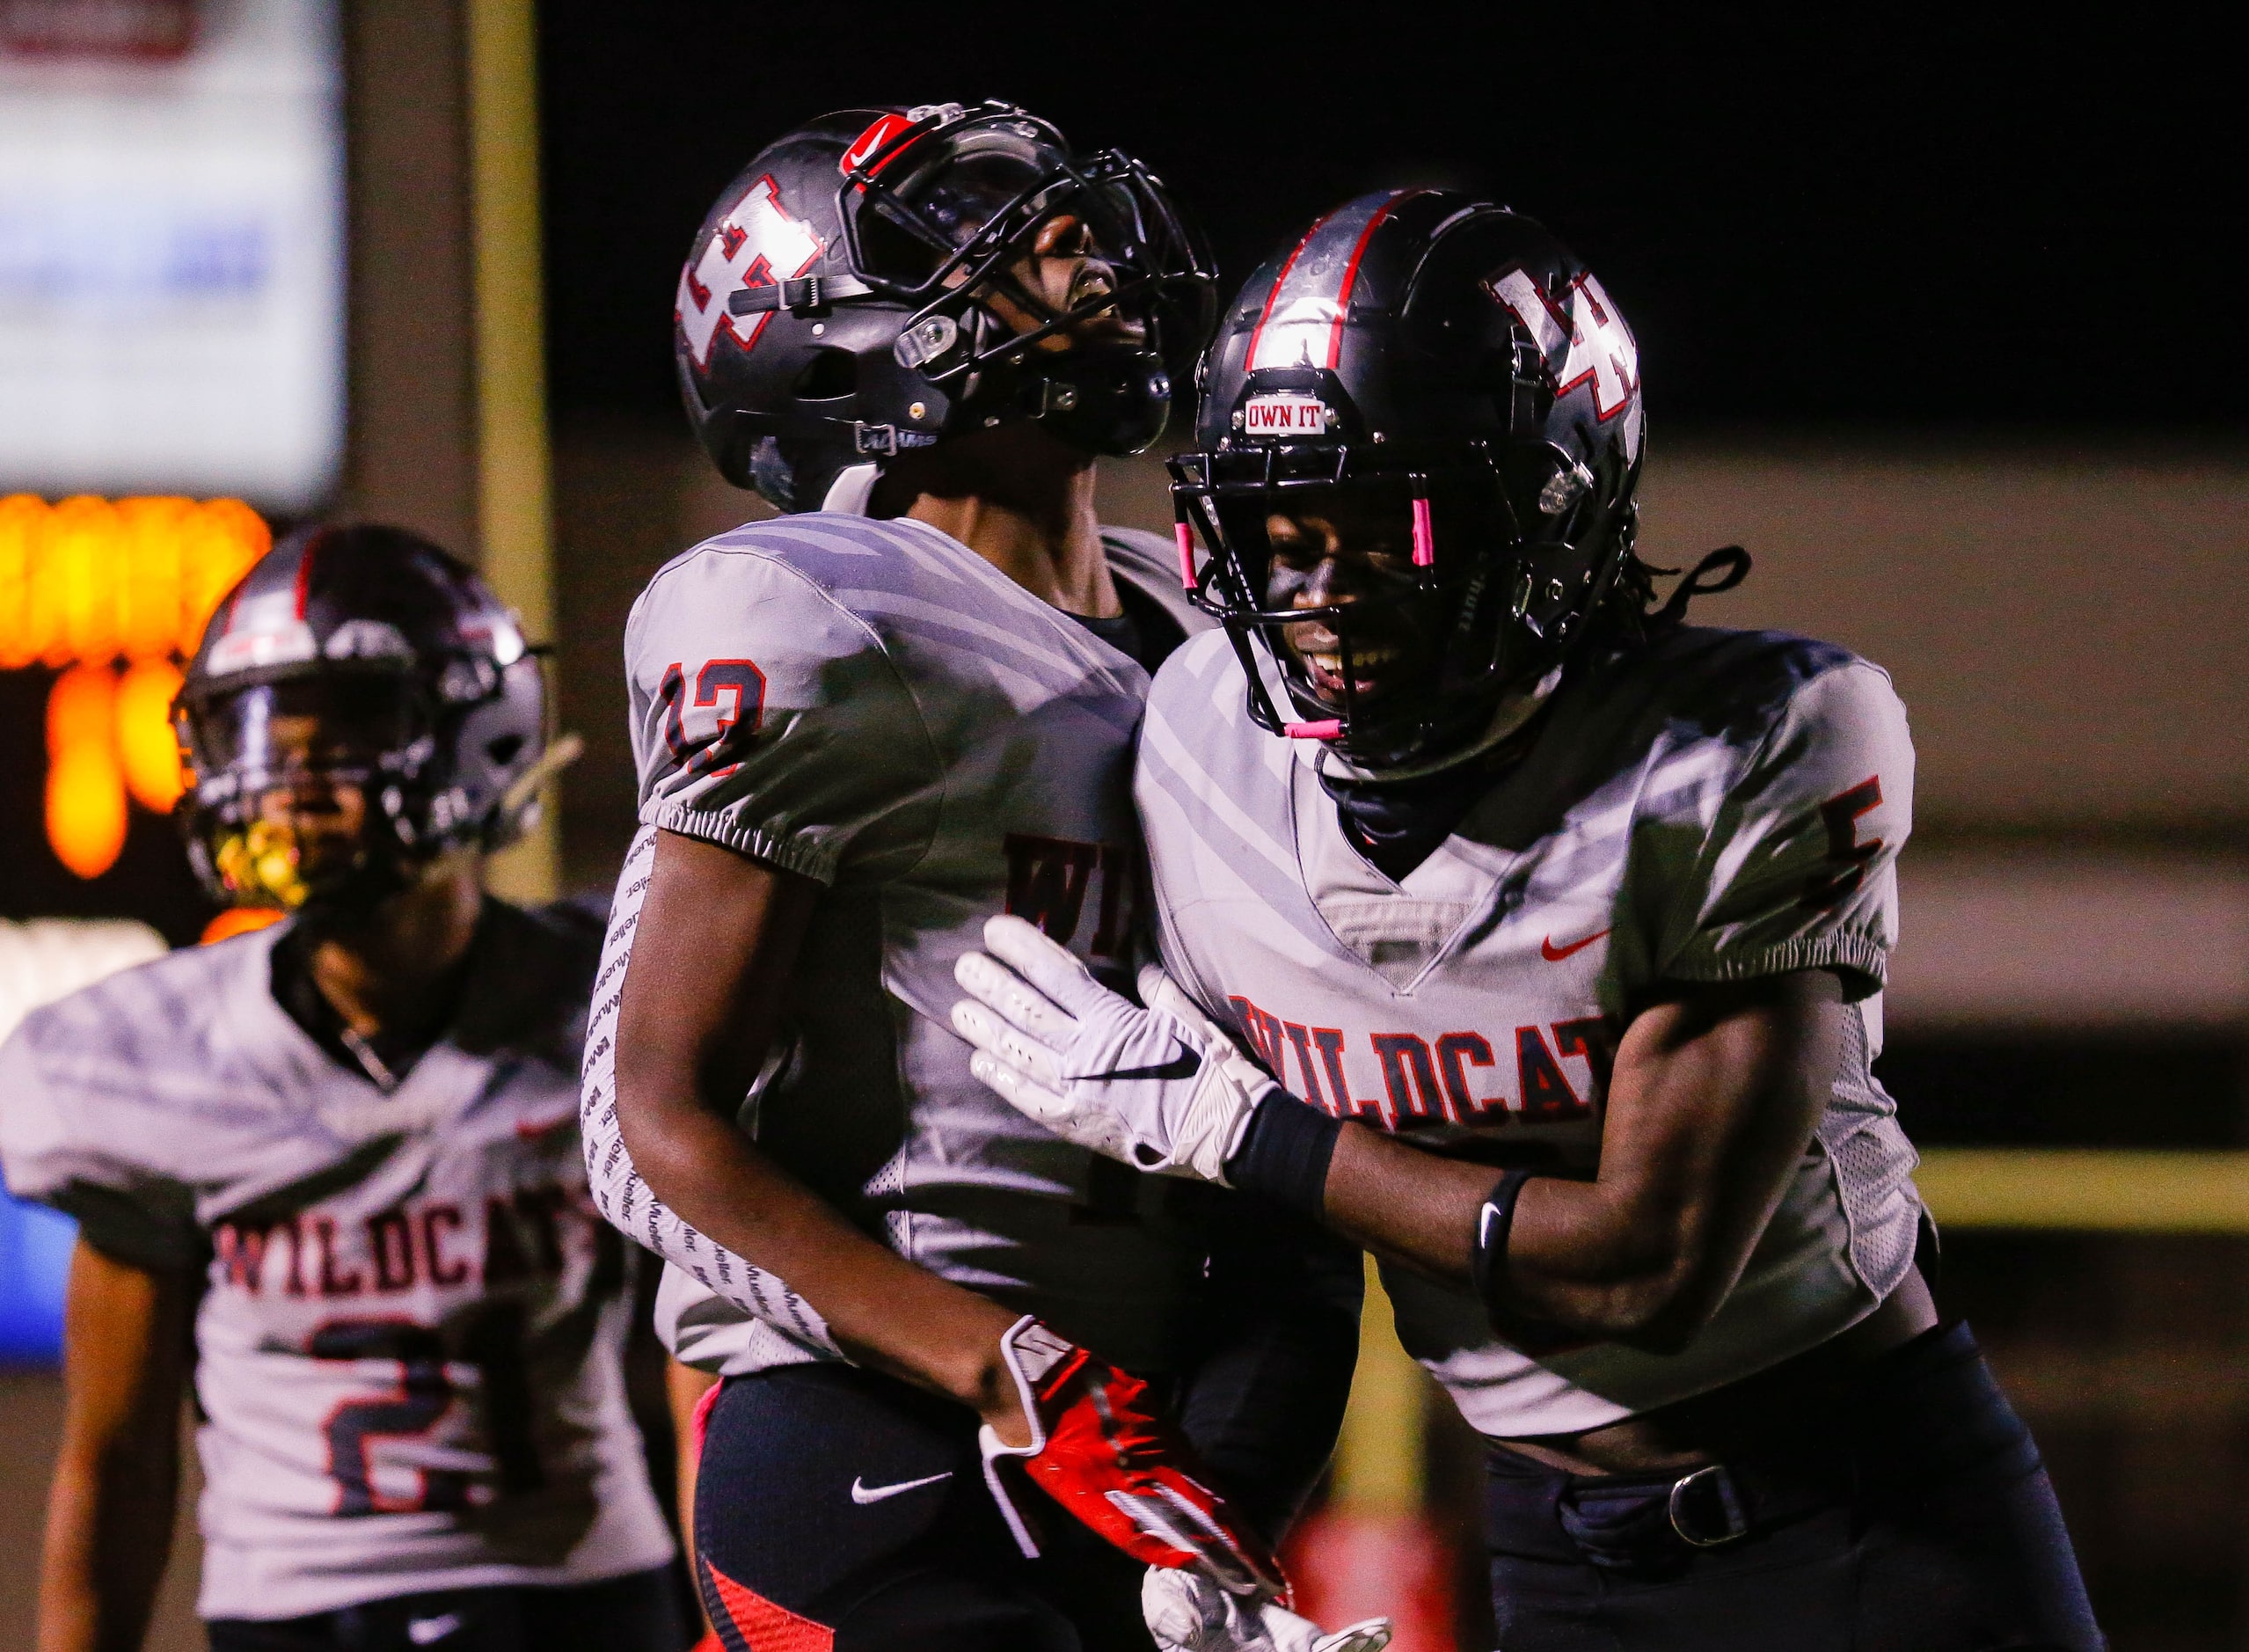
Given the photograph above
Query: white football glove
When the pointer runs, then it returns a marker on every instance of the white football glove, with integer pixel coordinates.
(1187, 1612)
(1164, 1088)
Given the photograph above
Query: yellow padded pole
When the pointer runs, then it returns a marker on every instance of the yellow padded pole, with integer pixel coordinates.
(515, 488)
(1378, 1457)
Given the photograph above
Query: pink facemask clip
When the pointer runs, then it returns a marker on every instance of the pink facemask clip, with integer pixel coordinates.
(1332, 728)
(1425, 538)
(1185, 535)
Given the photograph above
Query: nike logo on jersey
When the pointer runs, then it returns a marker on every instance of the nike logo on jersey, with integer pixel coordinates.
(1552, 954)
(862, 1493)
(1185, 1064)
(430, 1631)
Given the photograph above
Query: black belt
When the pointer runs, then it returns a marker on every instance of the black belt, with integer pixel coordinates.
(1632, 1520)
(1923, 1410)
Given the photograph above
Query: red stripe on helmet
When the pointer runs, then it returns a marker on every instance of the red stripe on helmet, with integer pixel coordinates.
(1351, 270)
(304, 572)
(1279, 281)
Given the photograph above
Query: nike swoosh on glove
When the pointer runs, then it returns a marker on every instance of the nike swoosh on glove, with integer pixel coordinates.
(1185, 1613)
(1098, 1448)
(1163, 1089)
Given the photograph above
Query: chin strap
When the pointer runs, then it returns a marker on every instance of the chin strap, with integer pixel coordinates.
(1730, 564)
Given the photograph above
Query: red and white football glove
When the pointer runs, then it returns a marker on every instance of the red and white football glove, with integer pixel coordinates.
(1098, 1448)
(1184, 1612)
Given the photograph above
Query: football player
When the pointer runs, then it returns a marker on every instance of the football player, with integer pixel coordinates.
(331, 1168)
(1569, 922)
(861, 730)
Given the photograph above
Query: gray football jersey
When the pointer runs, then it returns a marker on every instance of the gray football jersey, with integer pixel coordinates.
(874, 706)
(1717, 806)
(410, 1346)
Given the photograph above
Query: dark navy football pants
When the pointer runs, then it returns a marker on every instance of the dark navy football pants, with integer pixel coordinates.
(840, 1510)
(635, 1613)
(1904, 1509)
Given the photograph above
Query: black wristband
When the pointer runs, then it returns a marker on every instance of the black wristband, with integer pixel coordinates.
(1285, 1152)
(1487, 1258)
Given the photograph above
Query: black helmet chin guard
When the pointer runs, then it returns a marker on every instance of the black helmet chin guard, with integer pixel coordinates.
(1450, 361)
(838, 305)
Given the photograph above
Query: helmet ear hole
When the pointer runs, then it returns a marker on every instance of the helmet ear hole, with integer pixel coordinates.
(830, 374)
(503, 750)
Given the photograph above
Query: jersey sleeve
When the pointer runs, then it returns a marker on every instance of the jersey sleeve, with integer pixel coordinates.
(71, 1148)
(769, 718)
(1798, 868)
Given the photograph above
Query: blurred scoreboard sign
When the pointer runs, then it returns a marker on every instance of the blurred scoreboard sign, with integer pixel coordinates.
(113, 596)
(171, 281)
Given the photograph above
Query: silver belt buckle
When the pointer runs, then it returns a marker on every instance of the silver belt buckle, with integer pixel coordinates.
(1707, 1491)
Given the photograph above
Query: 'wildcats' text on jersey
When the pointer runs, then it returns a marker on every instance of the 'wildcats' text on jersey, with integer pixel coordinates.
(872, 705)
(1716, 807)
(409, 1344)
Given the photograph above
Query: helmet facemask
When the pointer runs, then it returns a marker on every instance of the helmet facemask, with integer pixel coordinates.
(1400, 609)
(326, 792)
(301, 788)
(948, 214)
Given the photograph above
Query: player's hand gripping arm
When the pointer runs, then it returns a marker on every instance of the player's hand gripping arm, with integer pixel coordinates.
(716, 937)
(127, 1350)
(1715, 1093)
(1163, 1087)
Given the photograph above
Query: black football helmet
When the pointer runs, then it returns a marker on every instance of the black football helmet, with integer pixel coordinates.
(424, 696)
(838, 305)
(1450, 367)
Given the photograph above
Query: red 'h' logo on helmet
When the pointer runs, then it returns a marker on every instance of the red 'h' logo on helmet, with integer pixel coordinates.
(757, 245)
(1599, 345)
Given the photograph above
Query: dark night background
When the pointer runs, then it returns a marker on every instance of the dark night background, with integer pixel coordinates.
(1880, 234)
(1859, 217)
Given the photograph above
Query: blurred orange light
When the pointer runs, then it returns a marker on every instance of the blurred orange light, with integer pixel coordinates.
(152, 537)
(145, 742)
(83, 572)
(22, 516)
(88, 579)
(81, 711)
(88, 582)
(85, 788)
(238, 920)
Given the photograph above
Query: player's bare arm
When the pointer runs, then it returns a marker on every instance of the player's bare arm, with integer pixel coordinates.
(109, 1511)
(702, 996)
(1711, 1101)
